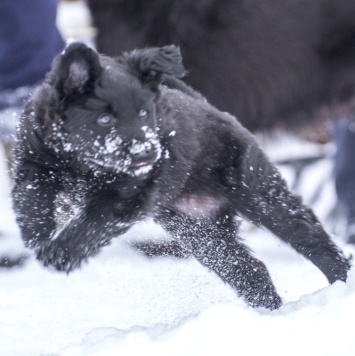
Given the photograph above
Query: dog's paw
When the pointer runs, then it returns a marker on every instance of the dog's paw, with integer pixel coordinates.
(59, 256)
(266, 298)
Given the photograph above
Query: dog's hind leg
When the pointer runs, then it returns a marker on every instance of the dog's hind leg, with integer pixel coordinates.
(263, 197)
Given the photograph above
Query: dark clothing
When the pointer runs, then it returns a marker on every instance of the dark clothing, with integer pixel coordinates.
(29, 40)
(344, 169)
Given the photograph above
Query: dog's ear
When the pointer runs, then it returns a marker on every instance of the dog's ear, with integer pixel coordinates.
(151, 64)
(75, 71)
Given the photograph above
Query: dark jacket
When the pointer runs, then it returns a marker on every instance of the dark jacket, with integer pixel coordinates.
(29, 40)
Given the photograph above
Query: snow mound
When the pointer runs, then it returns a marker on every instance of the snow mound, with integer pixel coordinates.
(309, 326)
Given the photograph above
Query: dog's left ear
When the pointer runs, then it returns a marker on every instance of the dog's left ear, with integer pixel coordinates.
(76, 71)
(151, 64)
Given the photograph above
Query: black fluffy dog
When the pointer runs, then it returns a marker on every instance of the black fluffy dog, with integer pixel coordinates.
(125, 139)
(272, 63)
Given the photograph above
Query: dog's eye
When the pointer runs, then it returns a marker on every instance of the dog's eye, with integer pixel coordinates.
(105, 120)
(143, 113)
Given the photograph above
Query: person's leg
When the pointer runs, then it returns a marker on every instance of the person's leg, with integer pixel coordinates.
(344, 173)
(29, 41)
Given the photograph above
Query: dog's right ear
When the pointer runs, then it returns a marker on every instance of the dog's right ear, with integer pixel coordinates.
(151, 64)
(75, 71)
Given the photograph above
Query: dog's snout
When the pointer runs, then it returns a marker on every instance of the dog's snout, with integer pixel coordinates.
(145, 153)
(142, 151)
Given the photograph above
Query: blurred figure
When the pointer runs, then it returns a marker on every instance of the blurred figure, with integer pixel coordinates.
(29, 40)
(344, 173)
(272, 64)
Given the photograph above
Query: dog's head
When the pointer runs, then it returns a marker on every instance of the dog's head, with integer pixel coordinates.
(106, 108)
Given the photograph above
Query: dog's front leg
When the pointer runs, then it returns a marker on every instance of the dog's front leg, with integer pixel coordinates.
(92, 228)
(33, 194)
(214, 243)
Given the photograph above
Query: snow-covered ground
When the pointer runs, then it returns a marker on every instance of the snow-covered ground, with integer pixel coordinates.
(122, 303)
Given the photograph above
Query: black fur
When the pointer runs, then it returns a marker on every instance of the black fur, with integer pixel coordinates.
(271, 63)
(125, 141)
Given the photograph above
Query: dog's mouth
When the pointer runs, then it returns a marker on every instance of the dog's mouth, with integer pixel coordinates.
(147, 161)
(142, 167)
(140, 164)
(122, 165)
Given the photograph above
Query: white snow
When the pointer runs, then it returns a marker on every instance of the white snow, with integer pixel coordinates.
(122, 303)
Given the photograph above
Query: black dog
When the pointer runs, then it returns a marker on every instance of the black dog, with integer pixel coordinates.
(271, 63)
(125, 139)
